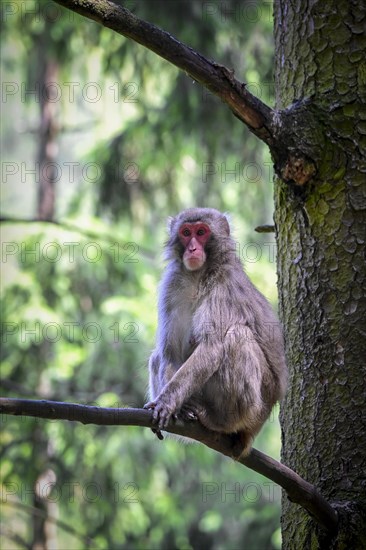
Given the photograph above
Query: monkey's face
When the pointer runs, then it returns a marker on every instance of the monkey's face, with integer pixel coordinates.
(194, 237)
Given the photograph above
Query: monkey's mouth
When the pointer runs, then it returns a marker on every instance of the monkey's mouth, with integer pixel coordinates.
(194, 262)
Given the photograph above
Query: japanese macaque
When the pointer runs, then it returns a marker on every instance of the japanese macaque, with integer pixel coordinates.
(219, 355)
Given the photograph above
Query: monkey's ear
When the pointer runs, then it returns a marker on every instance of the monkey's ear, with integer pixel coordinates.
(169, 224)
(227, 223)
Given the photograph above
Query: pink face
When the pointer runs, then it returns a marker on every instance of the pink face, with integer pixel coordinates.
(193, 237)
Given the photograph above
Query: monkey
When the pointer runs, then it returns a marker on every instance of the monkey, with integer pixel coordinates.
(219, 355)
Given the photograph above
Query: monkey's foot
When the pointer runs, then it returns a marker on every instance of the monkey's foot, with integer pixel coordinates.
(186, 414)
(242, 444)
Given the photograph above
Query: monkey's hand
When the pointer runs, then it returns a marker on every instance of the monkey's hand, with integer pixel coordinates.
(158, 433)
(162, 412)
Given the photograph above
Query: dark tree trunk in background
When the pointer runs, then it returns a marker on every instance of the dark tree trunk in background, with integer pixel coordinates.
(44, 531)
(321, 230)
(48, 148)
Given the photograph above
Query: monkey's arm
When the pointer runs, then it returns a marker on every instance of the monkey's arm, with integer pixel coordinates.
(189, 378)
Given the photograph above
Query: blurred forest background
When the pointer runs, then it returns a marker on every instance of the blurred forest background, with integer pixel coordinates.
(103, 140)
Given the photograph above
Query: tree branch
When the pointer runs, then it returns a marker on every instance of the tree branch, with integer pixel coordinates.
(216, 78)
(298, 490)
(86, 233)
(265, 229)
(32, 510)
(280, 130)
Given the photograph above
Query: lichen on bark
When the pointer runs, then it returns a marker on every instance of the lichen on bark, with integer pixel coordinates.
(321, 264)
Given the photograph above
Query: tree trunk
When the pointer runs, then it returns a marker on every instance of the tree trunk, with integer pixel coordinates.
(44, 531)
(321, 233)
(48, 148)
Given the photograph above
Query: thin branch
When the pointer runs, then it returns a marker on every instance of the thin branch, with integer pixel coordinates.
(86, 233)
(42, 514)
(265, 229)
(7, 533)
(298, 490)
(213, 76)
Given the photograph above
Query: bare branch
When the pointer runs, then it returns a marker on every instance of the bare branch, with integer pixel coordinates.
(32, 510)
(86, 233)
(298, 490)
(265, 229)
(278, 129)
(216, 78)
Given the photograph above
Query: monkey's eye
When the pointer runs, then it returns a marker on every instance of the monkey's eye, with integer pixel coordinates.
(186, 232)
(201, 231)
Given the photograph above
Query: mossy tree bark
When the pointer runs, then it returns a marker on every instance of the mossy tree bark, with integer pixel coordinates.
(321, 231)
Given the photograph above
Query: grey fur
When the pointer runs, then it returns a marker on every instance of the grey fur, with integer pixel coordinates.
(219, 353)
